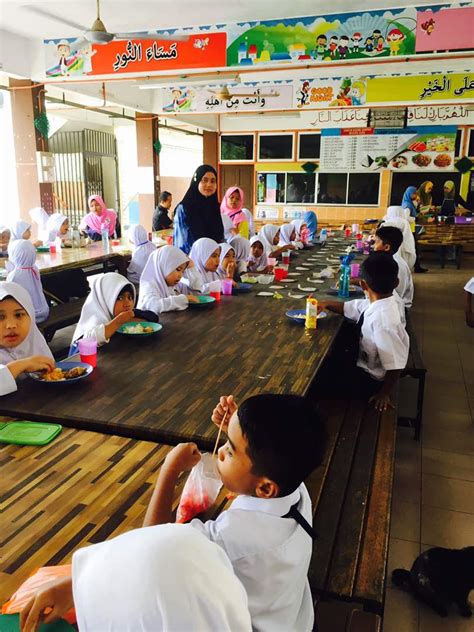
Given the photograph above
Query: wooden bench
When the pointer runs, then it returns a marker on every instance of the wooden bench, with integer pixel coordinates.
(61, 316)
(416, 369)
(351, 496)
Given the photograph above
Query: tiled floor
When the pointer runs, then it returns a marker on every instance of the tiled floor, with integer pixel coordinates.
(433, 502)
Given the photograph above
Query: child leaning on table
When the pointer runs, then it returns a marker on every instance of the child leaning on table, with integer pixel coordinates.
(109, 305)
(383, 343)
(161, 286)
(274, 443)
(22, 347)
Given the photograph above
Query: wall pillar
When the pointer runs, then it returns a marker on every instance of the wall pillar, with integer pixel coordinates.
(148, 161)
(27, 102)
(210, 149)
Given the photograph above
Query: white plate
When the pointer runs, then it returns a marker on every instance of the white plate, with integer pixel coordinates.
(307, 288)
(265, 294)
(288, 280)
(277, 287)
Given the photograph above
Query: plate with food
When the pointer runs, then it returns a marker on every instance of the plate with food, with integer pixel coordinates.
(299, 315)
(65, 372)
(443, 160)
(242, 288)
(203, 301)
(142, 329)
(421, 160)
(399, 162)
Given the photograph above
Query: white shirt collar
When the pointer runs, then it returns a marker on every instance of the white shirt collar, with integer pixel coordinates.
(275, 506)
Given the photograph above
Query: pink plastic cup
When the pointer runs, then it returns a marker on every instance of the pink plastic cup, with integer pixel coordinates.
(52, 249)
(88, 351)
(226, 285)
(271, 261)
(355, 270)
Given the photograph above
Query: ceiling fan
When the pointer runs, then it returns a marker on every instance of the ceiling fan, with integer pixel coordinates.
(224, 94)
(98, 34)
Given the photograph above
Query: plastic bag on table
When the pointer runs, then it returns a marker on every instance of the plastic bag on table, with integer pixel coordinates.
(200, 490)
(38, 580)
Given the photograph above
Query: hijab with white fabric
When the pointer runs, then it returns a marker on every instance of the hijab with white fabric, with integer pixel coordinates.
(161, 263)
(18, 229)
(266, 236)
(201, 250)
(241, 248)
(257, 263)
(34, 343)
(396, 216)
(22, 255)
(142, 249)
(225, 248)
(48, 225)
(298, 224)
(166, 577)
(285, 234)
(99, 306)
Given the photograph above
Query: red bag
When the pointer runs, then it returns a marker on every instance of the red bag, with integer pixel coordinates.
(200, 490)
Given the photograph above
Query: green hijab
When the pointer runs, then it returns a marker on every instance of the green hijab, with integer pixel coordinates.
(425, 198)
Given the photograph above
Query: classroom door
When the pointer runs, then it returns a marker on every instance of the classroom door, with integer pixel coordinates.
(241, 176)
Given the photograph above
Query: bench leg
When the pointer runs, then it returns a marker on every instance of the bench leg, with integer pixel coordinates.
(419, 406)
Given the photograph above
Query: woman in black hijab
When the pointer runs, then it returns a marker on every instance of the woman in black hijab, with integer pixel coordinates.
(198, 214)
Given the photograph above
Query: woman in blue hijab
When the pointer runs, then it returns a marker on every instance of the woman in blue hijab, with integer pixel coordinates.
(411, 200)
(311, 222)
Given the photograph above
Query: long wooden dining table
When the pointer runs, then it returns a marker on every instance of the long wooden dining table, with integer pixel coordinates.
(164, 387)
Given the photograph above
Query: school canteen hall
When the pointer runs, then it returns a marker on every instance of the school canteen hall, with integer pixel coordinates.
(236, 316)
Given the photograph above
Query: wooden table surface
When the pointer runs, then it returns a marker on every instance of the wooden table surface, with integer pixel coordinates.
(70, 258)
(164, 387)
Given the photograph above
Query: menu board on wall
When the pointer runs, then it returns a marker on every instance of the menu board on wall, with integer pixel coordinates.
(410, 149)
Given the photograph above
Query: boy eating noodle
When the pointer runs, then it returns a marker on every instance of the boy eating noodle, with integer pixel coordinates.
(274, 443)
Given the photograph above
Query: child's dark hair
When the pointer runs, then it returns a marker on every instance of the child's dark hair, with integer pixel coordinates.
(390, 235)
(126, 288)
(380, 271)
(286, 438)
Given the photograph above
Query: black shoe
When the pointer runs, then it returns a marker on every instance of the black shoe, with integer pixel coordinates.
(420, 269)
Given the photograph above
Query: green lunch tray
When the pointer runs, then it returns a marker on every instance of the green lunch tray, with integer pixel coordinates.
(11, 623)
(28, 433)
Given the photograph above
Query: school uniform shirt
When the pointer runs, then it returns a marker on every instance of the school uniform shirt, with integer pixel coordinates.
(405, 287)
(384, 342)
(469, 287)
(270, 555)
(142, 249)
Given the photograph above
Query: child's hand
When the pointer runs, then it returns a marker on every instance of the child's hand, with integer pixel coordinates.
(125, 317)
(55, 596)
(192, 299)
(227, 407)
(322, 306)
(230, 269)
(183, 457)
(381, 401)
(39, 363)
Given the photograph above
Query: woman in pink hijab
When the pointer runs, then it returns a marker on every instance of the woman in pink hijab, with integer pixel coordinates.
(231, 206)
(99, 216)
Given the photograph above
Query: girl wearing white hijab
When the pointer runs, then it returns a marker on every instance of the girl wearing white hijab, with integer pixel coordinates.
(227, 264)
(396, 216)
(25, 272)
(269, 236)
(142, 249)
(20, 230)
(161, 289)
(22, 347)
(108, 306)
(50, 226)
(287, 235)
(301, 230)
(205, 254)
(241, 248)
(257, 260)
(167, 578)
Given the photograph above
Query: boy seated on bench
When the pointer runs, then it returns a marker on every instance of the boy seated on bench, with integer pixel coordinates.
(389, 239)
(383, 340)
(274, 443)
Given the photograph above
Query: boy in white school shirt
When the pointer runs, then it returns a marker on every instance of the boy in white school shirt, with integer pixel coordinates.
(274, 443)
(389, 239)
(384, 342)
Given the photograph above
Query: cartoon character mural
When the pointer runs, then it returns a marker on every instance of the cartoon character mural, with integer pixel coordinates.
(343, 47)
(333, 46)
(321, 43)
(64, 50)
(181, 100)
(358, 92)
(356, 39)
(428, 26)
(302, 95)
(394, 39)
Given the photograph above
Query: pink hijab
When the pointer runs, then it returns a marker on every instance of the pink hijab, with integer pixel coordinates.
(94, 221)
(235, 215)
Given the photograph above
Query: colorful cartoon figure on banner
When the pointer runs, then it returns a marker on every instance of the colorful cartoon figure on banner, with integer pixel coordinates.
(428, 26)
(333, 46)
(182, 100)
(64, 50)
(302, 95)
(321, 43)
(356, 39)
(201, 43)
(66, 60)
(358, 92)
(395, 38)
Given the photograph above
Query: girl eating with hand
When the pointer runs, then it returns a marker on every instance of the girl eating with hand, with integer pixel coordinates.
(161, 286)
(22, 346)
(205, 254)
